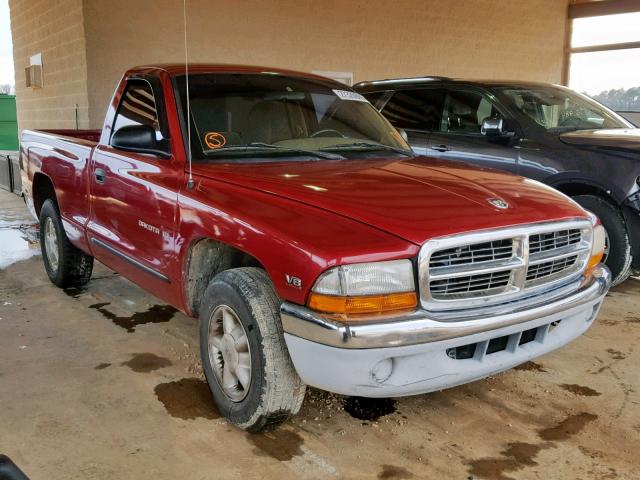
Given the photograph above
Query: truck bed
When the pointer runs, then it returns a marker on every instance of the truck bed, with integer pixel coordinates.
(90, 135)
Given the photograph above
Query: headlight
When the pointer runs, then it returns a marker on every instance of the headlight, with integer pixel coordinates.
(365, 288)
(597, 245)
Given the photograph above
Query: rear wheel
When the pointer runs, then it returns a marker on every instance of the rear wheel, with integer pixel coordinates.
(244, 355)
(66, 265)
(617, 247)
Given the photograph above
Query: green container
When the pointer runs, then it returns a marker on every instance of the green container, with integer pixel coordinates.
(8, 123)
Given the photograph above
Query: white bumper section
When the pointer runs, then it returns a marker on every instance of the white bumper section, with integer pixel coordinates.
(417, 354)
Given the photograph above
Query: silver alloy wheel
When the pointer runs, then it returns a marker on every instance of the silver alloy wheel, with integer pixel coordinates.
(607, 246)
(51, 243)
(229, 353)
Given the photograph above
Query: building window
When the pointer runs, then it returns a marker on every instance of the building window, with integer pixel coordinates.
(605, 57)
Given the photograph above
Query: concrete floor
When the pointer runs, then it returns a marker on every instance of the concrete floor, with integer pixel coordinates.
(104, 383)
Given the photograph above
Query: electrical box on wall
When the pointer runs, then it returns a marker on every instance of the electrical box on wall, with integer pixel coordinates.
(33, 73)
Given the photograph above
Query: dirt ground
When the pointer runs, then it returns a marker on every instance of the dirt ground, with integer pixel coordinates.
(105, 383)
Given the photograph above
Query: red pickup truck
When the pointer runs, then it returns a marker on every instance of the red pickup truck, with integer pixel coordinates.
(314, 247)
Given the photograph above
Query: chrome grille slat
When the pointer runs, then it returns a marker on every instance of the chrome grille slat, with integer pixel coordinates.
(549, 268)
(553, 240)
(474, 269)
(558, 254)
(491, 267)
(476, 253)
(473, 283)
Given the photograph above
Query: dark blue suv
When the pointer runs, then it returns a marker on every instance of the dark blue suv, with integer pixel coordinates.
(541, 131)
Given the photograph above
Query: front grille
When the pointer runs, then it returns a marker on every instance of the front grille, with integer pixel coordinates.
(469, 254)
(543, 242)
(462, 286)
(546, 269)
(491, 267)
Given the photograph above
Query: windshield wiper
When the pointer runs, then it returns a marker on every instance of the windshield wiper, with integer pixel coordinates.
(362, 146)
(267, 147)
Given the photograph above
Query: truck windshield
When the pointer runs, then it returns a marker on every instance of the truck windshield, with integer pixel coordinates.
(560, 109)
(277, 115)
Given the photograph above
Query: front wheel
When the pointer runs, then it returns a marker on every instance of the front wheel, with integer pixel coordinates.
(617, 246)
(243, 352)
(66, 265)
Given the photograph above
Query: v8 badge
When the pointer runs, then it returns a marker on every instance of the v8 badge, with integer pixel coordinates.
(293, 281)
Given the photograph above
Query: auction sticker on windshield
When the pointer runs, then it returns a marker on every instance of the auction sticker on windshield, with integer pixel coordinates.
(347, 95)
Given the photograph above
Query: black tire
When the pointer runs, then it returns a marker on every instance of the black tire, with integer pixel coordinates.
(619, 258)
(73, 267)
(275, 391)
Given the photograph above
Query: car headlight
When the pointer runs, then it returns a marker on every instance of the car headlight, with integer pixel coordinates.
(365, 288)
(597, 245)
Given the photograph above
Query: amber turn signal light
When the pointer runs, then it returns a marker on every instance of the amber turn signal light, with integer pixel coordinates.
(366, 304)
(597, 248)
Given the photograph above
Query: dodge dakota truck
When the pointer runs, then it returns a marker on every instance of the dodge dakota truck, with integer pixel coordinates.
(287, 214)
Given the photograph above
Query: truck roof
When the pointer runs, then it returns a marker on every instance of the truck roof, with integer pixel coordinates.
(175, 69)
(395, 83)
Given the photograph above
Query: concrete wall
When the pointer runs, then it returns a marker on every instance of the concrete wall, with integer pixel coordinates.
(371, 38)
(54, 28)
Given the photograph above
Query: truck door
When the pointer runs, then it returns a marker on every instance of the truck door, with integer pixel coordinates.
(459, 138)
(134, 193)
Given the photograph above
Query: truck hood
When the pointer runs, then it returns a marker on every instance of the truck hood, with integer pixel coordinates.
(627, 139)
(415, 199)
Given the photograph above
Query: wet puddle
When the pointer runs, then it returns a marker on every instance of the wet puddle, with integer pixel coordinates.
(370, 409)
(281, 444)
(580, 390)
(515, 457)
(154, 314)
(146, 362)
(568, 427)
(518, 455)
(19, 241)
(390, 472)
(188, 399)
(531, 367)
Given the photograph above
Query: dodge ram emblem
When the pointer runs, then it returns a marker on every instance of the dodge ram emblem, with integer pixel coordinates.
(496, 202)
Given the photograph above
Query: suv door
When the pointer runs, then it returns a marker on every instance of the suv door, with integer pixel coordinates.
(459, 137)
(418, 112)
(134, 195)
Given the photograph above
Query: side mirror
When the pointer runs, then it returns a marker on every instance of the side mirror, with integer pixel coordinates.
(493, 127)
(403, 134)
(140, 139)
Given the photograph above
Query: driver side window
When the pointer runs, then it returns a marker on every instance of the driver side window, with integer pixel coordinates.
(137, 107)
(464, 112)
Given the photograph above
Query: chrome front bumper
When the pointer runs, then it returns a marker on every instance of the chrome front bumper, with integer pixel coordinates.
(421, 327)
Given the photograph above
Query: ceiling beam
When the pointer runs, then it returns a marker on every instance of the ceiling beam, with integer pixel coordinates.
(603, 7)
(602, 48)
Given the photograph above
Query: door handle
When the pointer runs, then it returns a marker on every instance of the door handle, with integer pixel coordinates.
(440, 148)
(100, 175)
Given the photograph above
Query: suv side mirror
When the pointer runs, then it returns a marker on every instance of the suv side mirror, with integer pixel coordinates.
(493, 127)
(140, 139)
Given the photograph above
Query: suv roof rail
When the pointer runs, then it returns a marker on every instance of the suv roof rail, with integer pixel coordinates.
(402, 80)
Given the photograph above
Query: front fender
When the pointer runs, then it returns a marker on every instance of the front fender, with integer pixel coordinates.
(288, 238)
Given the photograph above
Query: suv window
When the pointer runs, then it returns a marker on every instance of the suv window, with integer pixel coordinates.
(137, 107)
(374, 97)
(465, 110)
(560, 109)
(419, 109)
